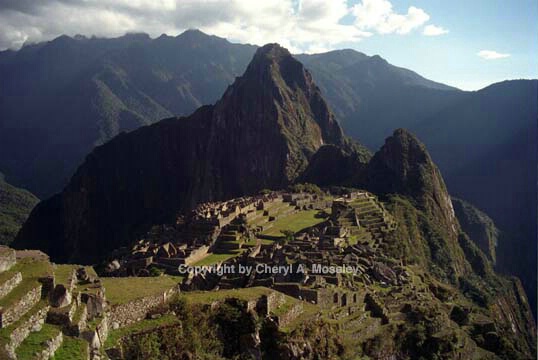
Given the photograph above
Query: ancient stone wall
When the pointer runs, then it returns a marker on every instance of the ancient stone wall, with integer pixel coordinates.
(14, 312)
(136, 310)
(286, 318)
(7, 258)
(17, 336)
(51, 346)
(10, 284)
(196, 255)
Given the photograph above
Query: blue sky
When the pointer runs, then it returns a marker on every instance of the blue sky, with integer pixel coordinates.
(509, 27)
(503, 32)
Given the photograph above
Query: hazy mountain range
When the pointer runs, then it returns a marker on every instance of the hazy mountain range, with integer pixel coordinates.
(61, 98)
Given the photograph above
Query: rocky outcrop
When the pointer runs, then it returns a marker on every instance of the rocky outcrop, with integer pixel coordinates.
(261, 134)
(403, 166)
(479, 226)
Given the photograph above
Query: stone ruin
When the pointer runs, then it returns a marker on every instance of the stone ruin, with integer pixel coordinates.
(351, 237)
(210, 228)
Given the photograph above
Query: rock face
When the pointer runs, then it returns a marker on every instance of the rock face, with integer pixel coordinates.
(261, 134)
(479, 226)
(403, 166)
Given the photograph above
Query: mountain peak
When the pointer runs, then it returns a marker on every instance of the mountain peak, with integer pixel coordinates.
(404, 166)
(272, 51)
(262, 133)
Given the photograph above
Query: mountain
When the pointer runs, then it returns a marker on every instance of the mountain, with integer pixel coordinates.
(60, 99)
(403, 166)
(15, 206)
(101, 87)
(272, 128)
(429, 235)
(371, 97)
(479, 226)
(486, 145)
(260, 134)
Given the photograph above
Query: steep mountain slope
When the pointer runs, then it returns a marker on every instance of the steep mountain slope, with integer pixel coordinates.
(403, 166)
(478, 226)
(429, 235)
(371, 97)
(60, 99)
(487, 148)
(89, 90)
(261, 134)
(15, 206)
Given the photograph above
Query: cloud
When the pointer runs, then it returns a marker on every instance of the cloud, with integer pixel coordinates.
(300, 25)
(378, 15)
(432, 30)
(491, 55)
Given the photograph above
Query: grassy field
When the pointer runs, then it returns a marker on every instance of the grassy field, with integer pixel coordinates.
(123, 290)
(63, 272)
(72, 349)
(294, 222)
(34, 341)
(31, 270)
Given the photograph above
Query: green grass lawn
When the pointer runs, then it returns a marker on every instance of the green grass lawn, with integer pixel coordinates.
(63, 272)
(124, 289)
(294, 222)
(34, 341)
(72, 349)
(115, 335)
(31, 270)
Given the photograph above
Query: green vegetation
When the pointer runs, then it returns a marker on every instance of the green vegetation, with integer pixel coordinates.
(15, 206)
(34, 342)
(306, 187)
(5, 332)
(197, 335)
(123, 290)
(207, 297)
(62, 273)
(144, 325)
(294, 222)
(31, 270)
(72, 349)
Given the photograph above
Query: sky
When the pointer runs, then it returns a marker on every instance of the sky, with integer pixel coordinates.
(468, 44)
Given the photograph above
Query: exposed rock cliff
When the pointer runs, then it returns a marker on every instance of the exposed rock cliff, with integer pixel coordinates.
(261, 134)
(479, 226)
(403, 166)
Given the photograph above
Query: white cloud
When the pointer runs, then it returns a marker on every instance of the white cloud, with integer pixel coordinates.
(491, 55)
(432, 30)
(379, 16)
(300, 25)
